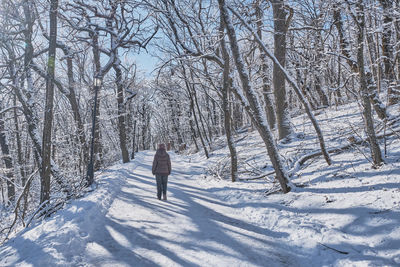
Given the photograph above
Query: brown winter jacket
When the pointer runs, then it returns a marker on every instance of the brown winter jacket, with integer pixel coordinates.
(161, 163)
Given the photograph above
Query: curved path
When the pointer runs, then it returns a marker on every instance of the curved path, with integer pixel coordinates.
(131, 227)
(192, 228)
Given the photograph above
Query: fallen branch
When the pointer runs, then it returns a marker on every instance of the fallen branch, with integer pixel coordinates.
(334, 249)
(27, 185)
(303, 159)
(41, 206)
(257, 177)
(274, 189)
(241, 138)
(8, 180)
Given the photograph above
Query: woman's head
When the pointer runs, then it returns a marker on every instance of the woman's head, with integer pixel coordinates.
(161, 146)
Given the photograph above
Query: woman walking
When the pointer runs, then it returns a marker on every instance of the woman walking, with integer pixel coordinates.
(161, 169)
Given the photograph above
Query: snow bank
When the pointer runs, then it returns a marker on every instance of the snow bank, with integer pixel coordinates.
(62, 239)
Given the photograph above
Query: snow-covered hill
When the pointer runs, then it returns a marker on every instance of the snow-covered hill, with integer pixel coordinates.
(346, 214)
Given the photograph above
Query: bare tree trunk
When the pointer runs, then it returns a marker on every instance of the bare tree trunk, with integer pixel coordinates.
(367, 112)
(19, 145)
(193, 133)
(397, 46)
(280, 30)
(295, 88)
(174, 117)
(258, 117)
(70, 94)
(191, 98)
(25, 95)
(267, 92)
(97, 149)
(121, 114)
(144, 126)
(72, 98)
(201, 118)
(319, 47)
(373, 54)
(238, 115)
(302, 82)
(203, 143)
(48, 113)
(387, 49)
(227, 82)
(134, 140)
(7, 161)
(379, 107)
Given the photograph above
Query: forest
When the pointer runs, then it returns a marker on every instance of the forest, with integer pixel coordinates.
(73, 100)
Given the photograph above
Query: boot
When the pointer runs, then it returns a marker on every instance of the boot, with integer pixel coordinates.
(165, 197)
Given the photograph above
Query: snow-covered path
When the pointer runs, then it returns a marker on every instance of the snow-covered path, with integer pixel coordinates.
(126, 225)
(191, 229)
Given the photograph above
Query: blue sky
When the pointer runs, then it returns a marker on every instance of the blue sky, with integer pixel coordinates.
(145, 62)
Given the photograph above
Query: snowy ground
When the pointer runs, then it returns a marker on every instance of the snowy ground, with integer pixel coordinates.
(346, 214)
(124, 224)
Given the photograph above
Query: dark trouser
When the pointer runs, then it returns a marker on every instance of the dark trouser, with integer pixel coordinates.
(162, 181)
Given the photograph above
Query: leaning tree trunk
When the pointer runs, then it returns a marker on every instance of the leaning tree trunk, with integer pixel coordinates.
(297, 90)
(191, 98)
(258, 117)
(200, 114)
(203, 143)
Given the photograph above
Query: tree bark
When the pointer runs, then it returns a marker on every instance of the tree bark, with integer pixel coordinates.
(20, 160)
(48, 113)
(97, 150)
(191, 98)
(203, 143)
(267, 92)
(280, 30)
(201, 117)
(295, 88)
(367, 112)
(25, 97)
(7, 161)
(134, 140)
(379, 107)
(121, 114)
(318, 71)
(227, 81)
(387, 50)
(72, 98)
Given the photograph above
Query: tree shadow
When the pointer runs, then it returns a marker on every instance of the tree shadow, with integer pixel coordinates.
(210, 232)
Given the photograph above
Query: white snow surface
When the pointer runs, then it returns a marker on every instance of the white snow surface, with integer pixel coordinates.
(122, 223)
(346, 214)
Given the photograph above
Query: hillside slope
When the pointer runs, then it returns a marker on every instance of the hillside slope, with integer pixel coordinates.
(346, 214)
